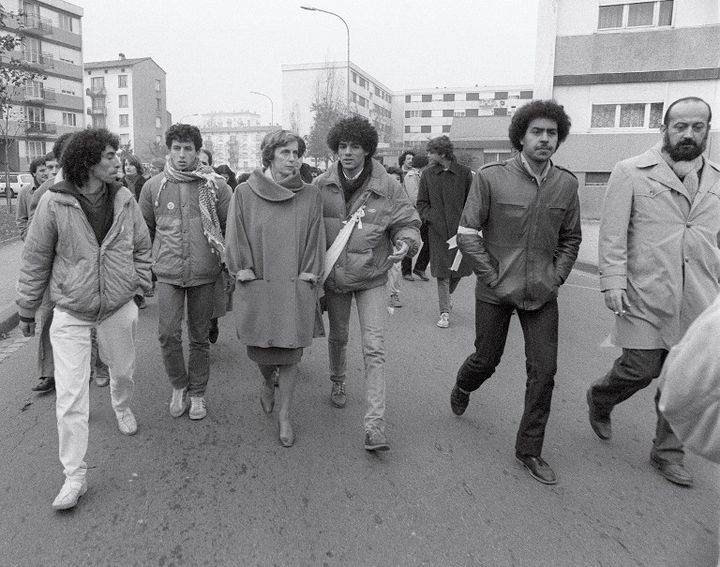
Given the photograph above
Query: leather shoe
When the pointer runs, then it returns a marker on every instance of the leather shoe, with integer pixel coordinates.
(674, 472)
(214, 331)
(538, 468)
(421, 275)
(459, 400)
(408, 277)
(287, 436)
(46, 384)
(600, 424)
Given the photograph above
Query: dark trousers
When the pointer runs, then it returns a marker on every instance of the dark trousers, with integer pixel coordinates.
(540, 329)
(423, 259)
(630, 373)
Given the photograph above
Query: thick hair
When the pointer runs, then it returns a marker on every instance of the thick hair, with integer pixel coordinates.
(353, 129)
(274, 140)
(401, 159)
(666, 118)
(158, 163)
(208, 153)
(184, 133)
(83, 151)
(302, 146)
(37, 162)
(441, 146)
(538, 109)
(136, 162)
(224, 169)
(419, 161)
(60, 144)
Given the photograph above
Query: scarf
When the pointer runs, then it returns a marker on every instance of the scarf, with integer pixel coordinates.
(207, 198)
(350, 186)
(687, 171)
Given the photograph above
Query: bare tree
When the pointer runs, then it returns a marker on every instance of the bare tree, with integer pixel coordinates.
(328, 108)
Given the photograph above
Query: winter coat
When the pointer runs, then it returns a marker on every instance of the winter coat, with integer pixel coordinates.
(135, 186)
(411, 182)
(440, 202)
(389, 218)
(181, 253)
(530, 234)
(275, 251)
(86, 279)
(659, 248)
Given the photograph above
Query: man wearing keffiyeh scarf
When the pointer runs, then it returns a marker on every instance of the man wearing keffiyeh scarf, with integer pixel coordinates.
(185, 208)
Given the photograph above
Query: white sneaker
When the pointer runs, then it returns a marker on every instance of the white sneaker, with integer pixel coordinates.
(69, 494)
(178, 402)
(444, 321)
(197, 407)
(126, 422)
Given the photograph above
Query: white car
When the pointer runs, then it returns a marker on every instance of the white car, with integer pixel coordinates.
(17, 181)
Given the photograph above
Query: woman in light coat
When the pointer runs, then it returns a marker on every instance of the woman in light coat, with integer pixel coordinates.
(275, 251)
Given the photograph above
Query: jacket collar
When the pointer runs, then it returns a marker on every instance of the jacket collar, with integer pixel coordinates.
(659, 170)
(378, 182)
(437, 169)
(65, 193)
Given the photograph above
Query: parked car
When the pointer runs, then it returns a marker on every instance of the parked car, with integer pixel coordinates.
(17, 180)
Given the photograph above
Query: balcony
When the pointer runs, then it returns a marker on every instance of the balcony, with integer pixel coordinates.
(97, 111)
(39, 96)
(41, 60)
(37, 25)
(40, 128)
(95, 92)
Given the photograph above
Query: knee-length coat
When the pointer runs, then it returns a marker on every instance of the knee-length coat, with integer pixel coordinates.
(275, 250)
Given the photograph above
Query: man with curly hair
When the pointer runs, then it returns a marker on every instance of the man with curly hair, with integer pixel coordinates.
(385, 227)
(88, 244)
(521, 230)
(185, 209)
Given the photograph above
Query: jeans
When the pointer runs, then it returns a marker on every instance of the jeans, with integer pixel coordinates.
(71, 345)
(171, 303)
(446, 286)
(630, 373)
(540, 330)
(372, 313)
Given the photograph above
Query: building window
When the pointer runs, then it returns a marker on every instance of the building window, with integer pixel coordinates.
(123, 101)
(472, 96)
(656, 114)
(501, 111)
(491, 156)
(427, 98)
(158, 104)
(158, 139)
(97, 83)
(640, 14)
(425, 129)
(501, 95)
(448, 98)
(408, 98)
(65, 22)
(157, 85)
(610, 17)
(665, 13)
(122, 81)
(158, 122)
(124, 139)
(636, 14)
(631, 115)
(448, 113)
(98, 122)
(597, 178)
(69, 119)
(124, 121)
(603, 116)
(407, 129)
(425, 113)
(446, 128)
(471, 112)
(34, 89)
(526, 94)
(34, 150)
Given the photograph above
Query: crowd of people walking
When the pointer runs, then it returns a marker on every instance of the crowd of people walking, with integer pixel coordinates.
(281, 249)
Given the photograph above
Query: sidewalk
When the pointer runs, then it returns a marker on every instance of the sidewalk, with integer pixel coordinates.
(10, 261)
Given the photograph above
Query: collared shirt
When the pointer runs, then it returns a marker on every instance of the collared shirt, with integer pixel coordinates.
(354, 177)
(543, 174)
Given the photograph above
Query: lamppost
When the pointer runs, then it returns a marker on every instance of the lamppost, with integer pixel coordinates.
(272, 115)
(348, 43)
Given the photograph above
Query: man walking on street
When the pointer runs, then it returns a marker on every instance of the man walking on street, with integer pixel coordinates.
(444, 187)
(39, 172)
(356, 189)
(411, 182)
(89, 245)
(185, 210)
(521, 230)
(659, 265)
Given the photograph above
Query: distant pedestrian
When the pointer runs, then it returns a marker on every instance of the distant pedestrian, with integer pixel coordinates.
(276, 252)
(383, 226)
(133, 177)
(205, 156)
(185, 210)
(157, 165)
(411, 182)
(39, 172)
(444, 187)
(227, 174)
(659, 265)
(405, 163)
(76, 220)
(521, 231)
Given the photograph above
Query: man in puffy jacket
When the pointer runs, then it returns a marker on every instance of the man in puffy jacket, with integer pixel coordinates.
(521, 230)
(387, 228)
(185, 208)
(88, 244)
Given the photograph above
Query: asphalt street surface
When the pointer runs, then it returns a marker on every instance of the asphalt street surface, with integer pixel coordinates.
(222, 491)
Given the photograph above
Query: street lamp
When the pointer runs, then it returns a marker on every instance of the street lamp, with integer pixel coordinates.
(310, 8)
(272, 116)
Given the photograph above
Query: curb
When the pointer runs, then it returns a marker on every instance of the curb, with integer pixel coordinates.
(9, 318)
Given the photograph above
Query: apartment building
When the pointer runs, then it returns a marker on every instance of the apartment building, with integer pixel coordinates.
(45, 108)
(128, 97)
(234, 138)
(615, 65)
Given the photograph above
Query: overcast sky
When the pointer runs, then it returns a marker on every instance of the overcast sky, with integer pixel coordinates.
(215, 51)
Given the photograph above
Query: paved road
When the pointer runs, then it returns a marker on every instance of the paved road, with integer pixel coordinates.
(223, 492)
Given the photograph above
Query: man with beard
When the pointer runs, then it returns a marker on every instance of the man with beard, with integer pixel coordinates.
(659, 265)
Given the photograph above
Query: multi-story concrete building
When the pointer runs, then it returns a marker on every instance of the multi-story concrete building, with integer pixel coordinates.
(615, 65)
(45, 108)
(128, 97)
(302, 85)
(233, 137)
